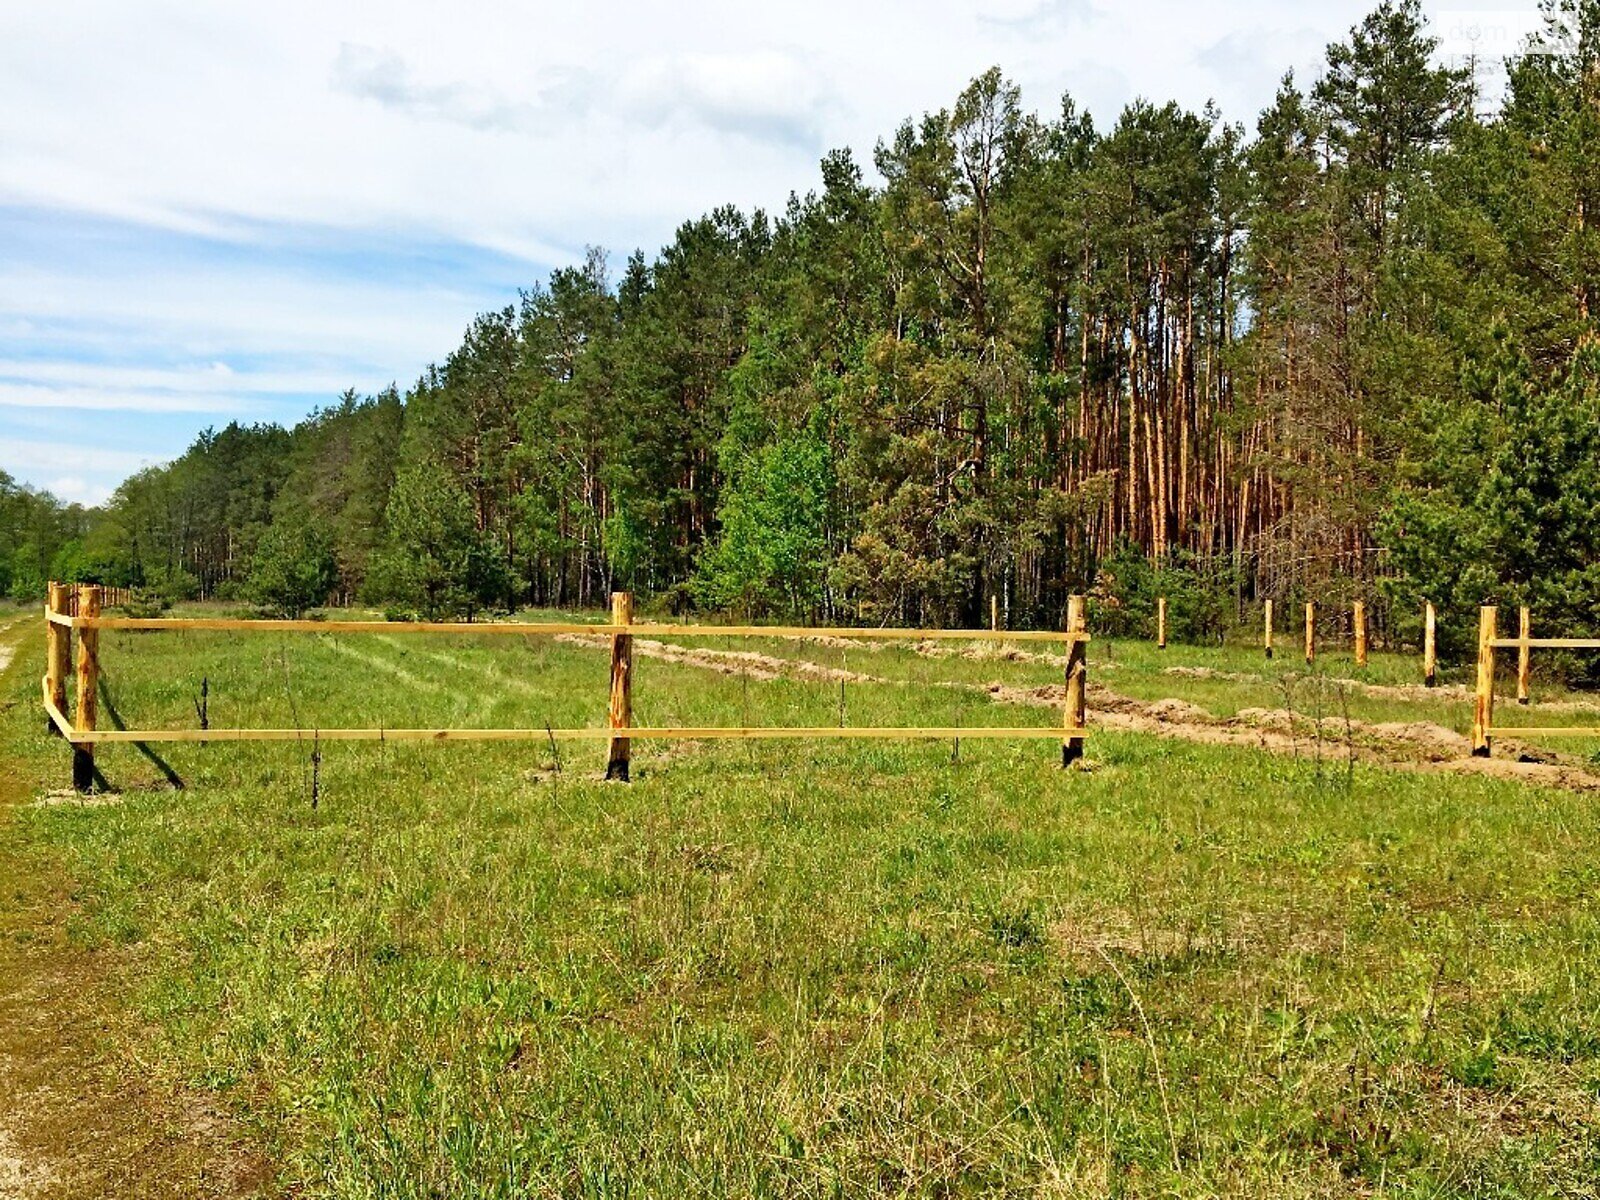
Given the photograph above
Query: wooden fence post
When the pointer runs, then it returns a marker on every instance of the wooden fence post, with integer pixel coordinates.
(1483, 698)
(1358, 619)
(1161, 623)
(1311, 631)
(994, 612)
(1267, 635)
(619, 712)
(1524, 654)
(83, 717)
(1075, 710)
(58, 653)
(1430, 647)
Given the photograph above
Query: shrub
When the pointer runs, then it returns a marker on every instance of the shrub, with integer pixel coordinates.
(293, 570)
(1199, 596)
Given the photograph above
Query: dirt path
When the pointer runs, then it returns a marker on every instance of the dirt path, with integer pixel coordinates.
(81, 1118)
(1455, 692)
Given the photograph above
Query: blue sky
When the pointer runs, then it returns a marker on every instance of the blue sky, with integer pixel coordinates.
(210, 215)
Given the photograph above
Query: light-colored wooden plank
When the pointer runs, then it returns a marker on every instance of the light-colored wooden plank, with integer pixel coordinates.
(236, 625)
(550, 628)
(1358, 623)
(1266, 637)
(595, 733)
(1161, 623)
(1545, 731)
(58, 718)
(61, 618)
(1311, 631)
(1551, 643)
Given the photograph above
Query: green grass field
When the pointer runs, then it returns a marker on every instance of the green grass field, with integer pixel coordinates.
(827, 969)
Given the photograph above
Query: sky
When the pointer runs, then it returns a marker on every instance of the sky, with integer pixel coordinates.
(215, 212)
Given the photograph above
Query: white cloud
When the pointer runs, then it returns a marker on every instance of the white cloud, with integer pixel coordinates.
(208, 313)
(75, 488)
(194, 380)
(387, 79)
(113, 399)
(1250, 63)
(774, 96)
(35, 458)
(535, 127)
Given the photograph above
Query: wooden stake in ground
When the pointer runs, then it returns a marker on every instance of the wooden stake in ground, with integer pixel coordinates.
(620, 711)
(83, 717)
(1524, 654)
(1267, 634)
(1311, 631)
(1358, 621)
(1161, 623)
(994, 613)
(1075, 710)
(1430, 647)
(1483, 698)
(58, 652)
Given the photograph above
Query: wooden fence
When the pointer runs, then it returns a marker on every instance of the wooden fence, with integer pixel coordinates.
(110, 597)
(80, 611)
(67, 614)
(1484, 730)
(1358, 634)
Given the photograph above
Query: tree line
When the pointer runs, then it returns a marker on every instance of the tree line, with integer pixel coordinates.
(1348, 351)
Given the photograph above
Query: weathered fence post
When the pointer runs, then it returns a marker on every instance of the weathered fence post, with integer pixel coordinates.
(58, 652)
(994, 612)
(1524, 654)
(1483, 698)
(1430, 647)
(619, 712)
(1358, 620)
(1075, 710)
(1267, 635)
(1161, 623)
(1311, 631)
(83, 717)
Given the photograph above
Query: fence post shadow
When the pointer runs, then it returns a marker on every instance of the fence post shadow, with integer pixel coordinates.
(171, 776)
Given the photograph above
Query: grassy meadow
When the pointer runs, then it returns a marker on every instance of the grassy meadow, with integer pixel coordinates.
(825, 969)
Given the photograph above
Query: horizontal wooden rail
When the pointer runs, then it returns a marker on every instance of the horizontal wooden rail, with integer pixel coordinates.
(56, 618)
(867, 633)
(550, 628)
(57, 717)
(1547, 643)
(669, 732)
(1544, 731)
(235, 625)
